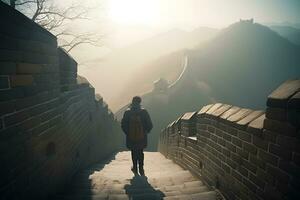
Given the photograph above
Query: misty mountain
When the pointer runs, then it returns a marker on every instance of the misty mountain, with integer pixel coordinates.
(290, 33)
(124, 65)
(241, 66)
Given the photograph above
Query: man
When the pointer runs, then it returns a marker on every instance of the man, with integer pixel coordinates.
(136, 124)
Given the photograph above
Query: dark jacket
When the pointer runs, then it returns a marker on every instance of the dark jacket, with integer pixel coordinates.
(147, 125)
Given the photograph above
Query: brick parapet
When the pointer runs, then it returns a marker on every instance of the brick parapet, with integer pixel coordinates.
(51, 122)
(246, 154)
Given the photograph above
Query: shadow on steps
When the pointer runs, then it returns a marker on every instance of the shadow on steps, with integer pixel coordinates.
(140, 189)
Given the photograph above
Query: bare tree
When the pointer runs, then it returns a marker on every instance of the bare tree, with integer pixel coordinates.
(57, 20)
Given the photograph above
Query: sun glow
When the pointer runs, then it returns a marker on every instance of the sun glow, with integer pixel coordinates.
(132, 12)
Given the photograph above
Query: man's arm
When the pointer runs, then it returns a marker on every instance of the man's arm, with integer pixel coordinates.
(148, 121)
(125, 122)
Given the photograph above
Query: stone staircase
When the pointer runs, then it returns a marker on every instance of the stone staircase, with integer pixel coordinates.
(113, 180)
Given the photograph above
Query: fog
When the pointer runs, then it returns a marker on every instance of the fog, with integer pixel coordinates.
(138, 35)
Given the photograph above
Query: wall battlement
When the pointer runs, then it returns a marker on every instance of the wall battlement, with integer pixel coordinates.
(246, 154)
(51, 122)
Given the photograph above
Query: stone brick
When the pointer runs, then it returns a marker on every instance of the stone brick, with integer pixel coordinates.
(225, 167)
(30, 123)
(250, 185)
(21, 80)
(226, 152)
(4, 82)
(28, 68)
(15, 118)
(277, 150)
(211, 129)
(268, 178)
(7, 68)
(221, 110)
(256, 126)
(25, 102)
(243, 171)
(237, 141)
(10, 56)
(250, 148)
(250, 117)
(230, 112)
(242, 153)
(288, 143)
(7, 107)
(270, 136)
(257, 161)
(282, 94)
(236, 158)
(289, 167)
(204, 109)
(248, 165)
(260, 142)
(279, 114)
(237, 175)
(284, 128)
(221, 142)
(226, 136)
(294, 101)
(213, 108)
(278, 174)
(257, 180)
(244, 136)
(231, 130)
(267, 157)
(239, 115)
(230, 146)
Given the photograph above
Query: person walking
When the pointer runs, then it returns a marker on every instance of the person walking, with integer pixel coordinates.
(136, 124)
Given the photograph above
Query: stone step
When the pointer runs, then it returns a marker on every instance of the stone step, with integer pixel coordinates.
(113, 180)
(211, 195)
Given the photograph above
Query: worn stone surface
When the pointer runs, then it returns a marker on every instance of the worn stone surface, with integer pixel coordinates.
(221, 110)
(250, 117)
(213, 108)
(188, 115)
(283, 93)
(113, 179)
(239, 115)
(230, 112)
(204, 109)
(257, 125)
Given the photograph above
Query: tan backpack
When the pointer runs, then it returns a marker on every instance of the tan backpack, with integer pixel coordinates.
(136, 130)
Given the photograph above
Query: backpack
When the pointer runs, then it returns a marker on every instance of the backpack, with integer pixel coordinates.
(136, 130)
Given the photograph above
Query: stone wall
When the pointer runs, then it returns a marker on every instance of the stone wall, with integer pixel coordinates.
(51, 122)
(246, 154)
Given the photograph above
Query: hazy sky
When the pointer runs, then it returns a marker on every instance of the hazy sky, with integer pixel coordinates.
(141, 18)
(192, 13)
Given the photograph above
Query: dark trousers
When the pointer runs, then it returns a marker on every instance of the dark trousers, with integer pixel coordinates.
(137, 156)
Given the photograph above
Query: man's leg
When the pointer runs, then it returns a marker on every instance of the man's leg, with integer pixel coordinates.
(134, 157)
(141, 161)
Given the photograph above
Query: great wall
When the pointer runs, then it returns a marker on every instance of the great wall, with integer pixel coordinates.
(51, 122)
(246, 154)
(59, 140)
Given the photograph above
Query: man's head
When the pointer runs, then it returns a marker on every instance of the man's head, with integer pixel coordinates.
(136, 100)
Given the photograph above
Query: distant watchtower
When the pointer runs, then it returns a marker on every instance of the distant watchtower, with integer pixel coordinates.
(249, 21)
(160, 85)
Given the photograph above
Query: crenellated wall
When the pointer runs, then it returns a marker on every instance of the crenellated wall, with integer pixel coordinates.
(244, 153)
(51, 122)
